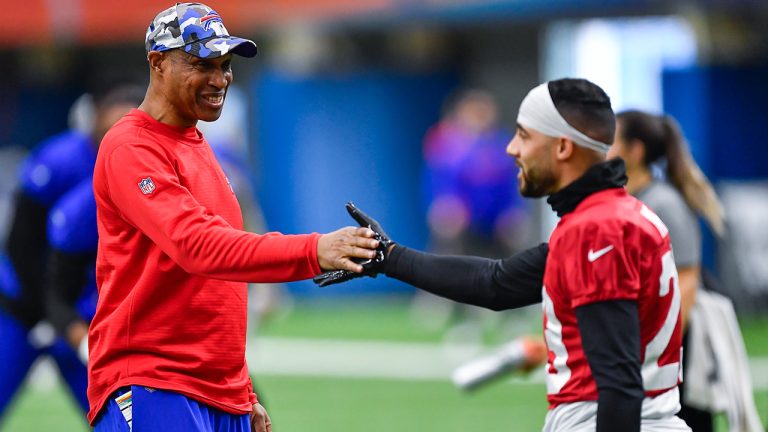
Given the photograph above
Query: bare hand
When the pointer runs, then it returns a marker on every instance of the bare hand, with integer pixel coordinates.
(260, 421)
(76, 331)
(335, 250)
(536, 353)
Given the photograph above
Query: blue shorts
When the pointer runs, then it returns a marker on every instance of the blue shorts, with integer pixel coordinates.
(143, 409)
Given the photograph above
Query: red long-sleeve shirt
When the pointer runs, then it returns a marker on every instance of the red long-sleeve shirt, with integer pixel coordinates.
(171, 268)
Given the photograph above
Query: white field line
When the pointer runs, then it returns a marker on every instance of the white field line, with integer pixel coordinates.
(758, 368)
(388, 360)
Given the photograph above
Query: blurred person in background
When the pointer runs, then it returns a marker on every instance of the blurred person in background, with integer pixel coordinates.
(45, 302)
(607, 279)
(472, 206)
(469, 189)
(167, 342)
(651, 144)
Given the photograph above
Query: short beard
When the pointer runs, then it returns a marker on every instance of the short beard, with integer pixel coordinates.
(537, 184)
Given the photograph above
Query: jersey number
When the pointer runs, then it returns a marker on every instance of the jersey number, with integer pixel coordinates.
(553, 333)
(657, 377)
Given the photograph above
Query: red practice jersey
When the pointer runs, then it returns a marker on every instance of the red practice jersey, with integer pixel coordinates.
(611, 247)
(171, 268)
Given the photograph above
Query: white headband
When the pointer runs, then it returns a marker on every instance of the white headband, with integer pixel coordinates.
(538, 112)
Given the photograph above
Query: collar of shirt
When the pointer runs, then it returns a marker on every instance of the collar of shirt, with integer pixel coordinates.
(605, 175)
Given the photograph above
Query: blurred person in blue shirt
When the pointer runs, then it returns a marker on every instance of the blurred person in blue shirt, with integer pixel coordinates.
(470, 191)
(468, 187)
(47, 288)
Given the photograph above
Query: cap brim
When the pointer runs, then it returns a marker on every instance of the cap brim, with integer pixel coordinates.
(218, 46)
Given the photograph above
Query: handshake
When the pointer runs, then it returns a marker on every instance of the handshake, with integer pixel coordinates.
(371, 267)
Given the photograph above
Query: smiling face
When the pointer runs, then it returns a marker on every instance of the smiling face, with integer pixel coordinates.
(195, 87)
(534, 156)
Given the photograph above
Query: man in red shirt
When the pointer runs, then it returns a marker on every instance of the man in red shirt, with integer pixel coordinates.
(167, 343)
(607, 278)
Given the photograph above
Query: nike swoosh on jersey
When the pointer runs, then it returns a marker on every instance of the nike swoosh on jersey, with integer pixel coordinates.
(594, 255)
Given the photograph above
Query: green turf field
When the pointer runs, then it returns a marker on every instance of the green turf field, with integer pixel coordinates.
(332, 404)
(319, 404)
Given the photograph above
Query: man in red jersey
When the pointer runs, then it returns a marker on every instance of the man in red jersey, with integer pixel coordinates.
(607, 278)
(167, 343)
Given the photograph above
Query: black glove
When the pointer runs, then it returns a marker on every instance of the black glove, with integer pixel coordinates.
(372, 266)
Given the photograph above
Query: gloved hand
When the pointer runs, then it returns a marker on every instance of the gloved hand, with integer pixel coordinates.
(371, 267)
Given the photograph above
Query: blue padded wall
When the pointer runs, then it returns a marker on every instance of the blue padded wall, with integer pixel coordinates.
(723, 112)
(324, 140)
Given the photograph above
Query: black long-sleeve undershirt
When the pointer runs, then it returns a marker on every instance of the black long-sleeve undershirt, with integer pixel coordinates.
(494, 284)
(610, 336)
(610, 330)
(27, 243)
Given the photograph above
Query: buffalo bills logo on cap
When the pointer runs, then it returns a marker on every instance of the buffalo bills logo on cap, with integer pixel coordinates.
(147, 186)
(210, 18)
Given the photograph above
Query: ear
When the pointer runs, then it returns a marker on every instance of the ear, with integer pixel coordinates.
(563, 149)
(155, 59)
(637, 152)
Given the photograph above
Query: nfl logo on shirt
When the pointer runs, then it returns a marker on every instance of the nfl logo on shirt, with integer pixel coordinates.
(147, 186)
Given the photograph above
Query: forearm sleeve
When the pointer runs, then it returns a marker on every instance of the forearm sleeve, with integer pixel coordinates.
(610, 335)
(64, 282)
(494, 284)
(26, 250)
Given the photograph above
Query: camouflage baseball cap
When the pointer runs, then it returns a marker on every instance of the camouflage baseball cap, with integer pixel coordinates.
(198, 30)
